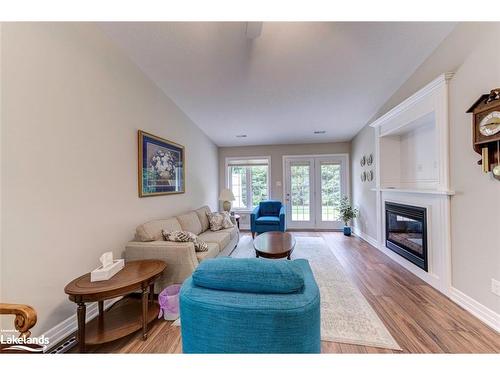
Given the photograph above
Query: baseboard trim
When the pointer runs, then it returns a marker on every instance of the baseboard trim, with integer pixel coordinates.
(67, 327)
(372, 241)
(483, 313)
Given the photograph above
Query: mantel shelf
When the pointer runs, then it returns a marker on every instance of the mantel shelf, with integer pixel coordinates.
(416, 191)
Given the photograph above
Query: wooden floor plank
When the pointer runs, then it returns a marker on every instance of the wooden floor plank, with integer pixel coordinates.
(420, 318)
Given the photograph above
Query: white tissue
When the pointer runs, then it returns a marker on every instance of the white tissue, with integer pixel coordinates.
(106, 259)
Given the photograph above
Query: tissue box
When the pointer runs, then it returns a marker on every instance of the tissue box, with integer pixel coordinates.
(106, 273)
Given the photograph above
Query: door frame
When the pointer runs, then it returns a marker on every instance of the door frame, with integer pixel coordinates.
(345, 178)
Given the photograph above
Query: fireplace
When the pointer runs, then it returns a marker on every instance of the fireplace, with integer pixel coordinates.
(406, 232)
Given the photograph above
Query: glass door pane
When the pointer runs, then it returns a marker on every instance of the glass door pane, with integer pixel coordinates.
(330, 191)
(300, 193)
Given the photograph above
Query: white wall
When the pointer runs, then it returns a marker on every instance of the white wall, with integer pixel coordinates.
(362, 196)
(471, 51)
(71, 107)
(276, 152)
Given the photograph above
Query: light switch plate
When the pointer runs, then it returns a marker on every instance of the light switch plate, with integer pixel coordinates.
(495, 287)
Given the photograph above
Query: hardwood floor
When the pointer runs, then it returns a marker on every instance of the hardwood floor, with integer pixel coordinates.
(421, 319)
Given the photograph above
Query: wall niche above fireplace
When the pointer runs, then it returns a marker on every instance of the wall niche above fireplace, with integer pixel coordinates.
(412, 144)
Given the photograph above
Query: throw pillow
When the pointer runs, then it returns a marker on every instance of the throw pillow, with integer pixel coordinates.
(219, 220)
(227, 223)
(185, 236)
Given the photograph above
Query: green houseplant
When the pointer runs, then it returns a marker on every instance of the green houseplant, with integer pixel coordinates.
(347, 213)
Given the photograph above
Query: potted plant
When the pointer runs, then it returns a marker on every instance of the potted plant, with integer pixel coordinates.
(347, 213)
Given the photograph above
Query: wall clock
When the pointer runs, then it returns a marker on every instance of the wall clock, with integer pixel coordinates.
(490, 124)
(486, 131)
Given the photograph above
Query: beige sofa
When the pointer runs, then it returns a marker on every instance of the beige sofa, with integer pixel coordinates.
(180, 257)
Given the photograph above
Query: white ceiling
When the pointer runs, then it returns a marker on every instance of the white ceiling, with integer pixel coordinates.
(278, 88)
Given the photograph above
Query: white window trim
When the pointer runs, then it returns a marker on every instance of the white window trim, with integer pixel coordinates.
(226, 177)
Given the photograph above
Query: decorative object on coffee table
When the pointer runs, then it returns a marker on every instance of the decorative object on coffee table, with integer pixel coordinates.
(124, 317)
(274, 245)
(226, 196)
(347, 213)
(161, 166)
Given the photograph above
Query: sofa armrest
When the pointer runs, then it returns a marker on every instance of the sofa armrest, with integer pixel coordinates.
(283, 218)
(180, 258)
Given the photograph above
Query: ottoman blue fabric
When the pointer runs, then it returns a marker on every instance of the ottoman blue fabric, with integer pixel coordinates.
(249, 275)
(219, 321)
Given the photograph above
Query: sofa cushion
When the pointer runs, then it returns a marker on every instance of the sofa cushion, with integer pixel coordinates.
(190, 222)
(152, 230)
(269, 208)
(213, 251)
(233, 232)
(268, 220)
(249, 275)
(219, 237)
(202, 216)
(219, 220)
(185, 236)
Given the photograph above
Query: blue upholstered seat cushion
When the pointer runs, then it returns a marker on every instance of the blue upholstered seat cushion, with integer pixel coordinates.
(268, 220)
(250, 275)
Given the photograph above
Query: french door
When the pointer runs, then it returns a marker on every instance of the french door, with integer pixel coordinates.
(314, 186)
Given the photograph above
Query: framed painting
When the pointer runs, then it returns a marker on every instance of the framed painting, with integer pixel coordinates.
(161, 166)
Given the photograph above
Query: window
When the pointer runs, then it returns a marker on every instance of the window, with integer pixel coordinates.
(249, 181)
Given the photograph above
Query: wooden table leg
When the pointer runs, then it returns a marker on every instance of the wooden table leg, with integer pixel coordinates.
(81, 314)
(152, 293)
(101, 308)
(145, 312)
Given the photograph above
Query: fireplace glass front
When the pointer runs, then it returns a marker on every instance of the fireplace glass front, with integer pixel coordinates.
(406, 232)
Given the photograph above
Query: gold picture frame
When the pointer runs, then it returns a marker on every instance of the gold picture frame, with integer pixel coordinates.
(161, 166)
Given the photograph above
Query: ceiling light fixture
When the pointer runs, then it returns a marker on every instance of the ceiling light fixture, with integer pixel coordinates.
(241, 136)
(319, 131)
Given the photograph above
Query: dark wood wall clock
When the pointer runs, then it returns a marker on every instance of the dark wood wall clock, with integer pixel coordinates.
(486, 131)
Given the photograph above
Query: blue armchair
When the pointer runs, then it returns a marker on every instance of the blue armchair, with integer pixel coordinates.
(268, 216)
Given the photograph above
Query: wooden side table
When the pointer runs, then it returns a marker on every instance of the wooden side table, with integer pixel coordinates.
(237, 218)
(127, 315)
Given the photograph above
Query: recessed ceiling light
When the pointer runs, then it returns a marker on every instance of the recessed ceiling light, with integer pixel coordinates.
(319, 131)
(241, 136)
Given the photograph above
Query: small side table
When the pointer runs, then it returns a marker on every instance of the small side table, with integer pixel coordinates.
(126, 316)
(237, 218)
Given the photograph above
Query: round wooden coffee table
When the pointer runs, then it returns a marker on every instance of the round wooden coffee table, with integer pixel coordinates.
(274, 245)
(127, 315)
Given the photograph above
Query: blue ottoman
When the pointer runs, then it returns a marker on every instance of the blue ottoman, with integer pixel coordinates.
(250, 306)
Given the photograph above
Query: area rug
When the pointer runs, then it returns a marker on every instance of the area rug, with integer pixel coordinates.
(346, 316)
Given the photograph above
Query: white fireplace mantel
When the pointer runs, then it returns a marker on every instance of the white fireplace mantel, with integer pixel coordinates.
(412, 167)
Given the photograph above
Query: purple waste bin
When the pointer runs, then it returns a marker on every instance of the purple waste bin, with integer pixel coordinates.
(168, 300)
